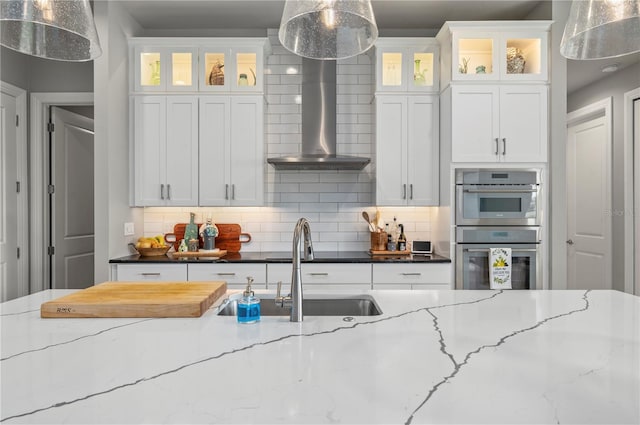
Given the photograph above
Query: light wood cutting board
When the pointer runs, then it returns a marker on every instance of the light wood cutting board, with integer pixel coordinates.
(137, 299)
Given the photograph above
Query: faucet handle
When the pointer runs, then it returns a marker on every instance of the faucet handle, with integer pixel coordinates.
(279, 298)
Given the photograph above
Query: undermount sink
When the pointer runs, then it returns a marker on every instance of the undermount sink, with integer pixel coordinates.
(357, 305)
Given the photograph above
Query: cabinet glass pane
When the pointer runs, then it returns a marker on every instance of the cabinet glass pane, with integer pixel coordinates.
(181, 68)
(149, 69)
(423, 69)
(523, 56)
(475, 56)
(246, 69)
(392, 69)
(214, 67)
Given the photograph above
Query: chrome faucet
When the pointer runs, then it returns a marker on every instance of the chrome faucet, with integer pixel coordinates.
(294, 299)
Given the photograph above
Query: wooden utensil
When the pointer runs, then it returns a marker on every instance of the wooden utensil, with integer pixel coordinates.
(137, 299)
(365, 215)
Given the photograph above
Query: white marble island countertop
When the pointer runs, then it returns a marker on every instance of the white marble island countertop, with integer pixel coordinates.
(431, 357)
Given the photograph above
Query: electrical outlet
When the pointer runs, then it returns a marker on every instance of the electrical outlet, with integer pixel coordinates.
(128, 229)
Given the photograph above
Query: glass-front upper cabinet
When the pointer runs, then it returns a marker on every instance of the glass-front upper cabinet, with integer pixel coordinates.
(165, 69)
(499, 50)
(407, 65)
(206, 65)
(238, 69)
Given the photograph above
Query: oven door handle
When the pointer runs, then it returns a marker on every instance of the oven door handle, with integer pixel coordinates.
(512, 249)
(501, 190)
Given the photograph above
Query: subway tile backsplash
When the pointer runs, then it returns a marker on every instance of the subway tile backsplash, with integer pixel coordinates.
(332, 201)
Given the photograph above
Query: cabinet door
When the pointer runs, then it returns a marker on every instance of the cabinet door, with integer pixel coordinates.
(247, 72)
(422, 150)
(149, 122)
(181, 160)
(523, 123)
(475, 123)
(150, 69)
(215, 158)
(151, 273)
(235, 274)
(182, 69)
(390, 69)
(524, 56)
(391, 150)
(246, 150)
(475, 56)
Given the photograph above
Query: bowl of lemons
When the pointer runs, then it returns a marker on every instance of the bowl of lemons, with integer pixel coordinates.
(152, 246)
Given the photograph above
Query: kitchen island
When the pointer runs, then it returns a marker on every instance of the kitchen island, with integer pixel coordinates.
(431, 357)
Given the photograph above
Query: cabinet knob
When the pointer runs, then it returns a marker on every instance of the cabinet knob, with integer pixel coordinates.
(569, 242)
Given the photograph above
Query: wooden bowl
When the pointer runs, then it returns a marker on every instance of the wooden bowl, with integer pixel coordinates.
(153, 252)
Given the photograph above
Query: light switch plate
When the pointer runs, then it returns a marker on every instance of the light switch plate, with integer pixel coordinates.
(128, 229)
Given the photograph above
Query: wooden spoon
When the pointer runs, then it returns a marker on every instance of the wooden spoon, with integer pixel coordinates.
(365, 215)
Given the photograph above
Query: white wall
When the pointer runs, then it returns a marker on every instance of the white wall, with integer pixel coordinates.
(112, 136)
(615, 86)
(332, 200)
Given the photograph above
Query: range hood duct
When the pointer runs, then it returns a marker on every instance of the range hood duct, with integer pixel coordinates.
(319, 123)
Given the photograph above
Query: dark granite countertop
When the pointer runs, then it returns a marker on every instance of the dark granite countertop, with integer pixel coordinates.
(285, 257)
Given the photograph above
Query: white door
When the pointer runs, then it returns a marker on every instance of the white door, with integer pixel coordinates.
(523, 123)
(9, 287)
(72, 221)
(589, 205)
(214, 150)
(247, 161)
(391, 150)
(475, 115)
(422, 150)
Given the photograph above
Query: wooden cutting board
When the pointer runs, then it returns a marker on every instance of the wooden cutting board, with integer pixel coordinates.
(137, 299)
(199, 254)
(228, 238)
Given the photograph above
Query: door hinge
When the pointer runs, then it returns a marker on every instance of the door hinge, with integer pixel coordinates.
(17, 187)
(51, 250)
(50, 127)
(51, 189)
(18, 248)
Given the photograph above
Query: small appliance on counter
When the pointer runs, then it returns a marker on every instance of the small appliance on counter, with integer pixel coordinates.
(421, 247)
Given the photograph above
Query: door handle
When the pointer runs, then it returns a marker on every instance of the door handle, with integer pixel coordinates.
(226, 274)
(169, 192)
(150, 274)
(512, 250)
(162, 192)
(411, 274)
(318, 274)
(569, 242)
(497, 146)
(501, 190)
(226, 191)
(233, 191)
(411, 191)
(504, 146)
(404, 191)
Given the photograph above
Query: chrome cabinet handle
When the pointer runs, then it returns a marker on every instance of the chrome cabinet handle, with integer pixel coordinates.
(162, 192)
(318, 274)
(570, 242)
(411, 274)
(512, 250)
(504, 146)
(404, 191)
(233, 191)
(226, 274)
(150, 274)
(226, 191)
(169, 192)
(501, 190)
(411, 191)
(497, 146)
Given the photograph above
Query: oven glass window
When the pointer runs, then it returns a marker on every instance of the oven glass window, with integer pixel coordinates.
(500, 204)
(476, 273)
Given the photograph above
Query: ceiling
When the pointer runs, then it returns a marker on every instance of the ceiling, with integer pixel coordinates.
(392, 17)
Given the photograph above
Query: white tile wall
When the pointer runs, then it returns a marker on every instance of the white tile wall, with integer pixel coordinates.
(332, 201)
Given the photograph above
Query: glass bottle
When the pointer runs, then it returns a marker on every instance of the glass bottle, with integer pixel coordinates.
(243, 80)
(191, 231)
(155, 73)
(402, 239)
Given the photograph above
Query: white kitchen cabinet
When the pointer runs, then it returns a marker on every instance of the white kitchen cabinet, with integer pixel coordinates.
(407, 150)
(505, 51)
(406, 64)
(150, 272)
(165, 150)
(231, 151)
(499, 123)
(235, 274)
(179, 64)
(415, 276)
(322, 276)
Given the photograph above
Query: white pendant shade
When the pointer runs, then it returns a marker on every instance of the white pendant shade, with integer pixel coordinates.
(328, 29)
(52, 29)
(598, 29)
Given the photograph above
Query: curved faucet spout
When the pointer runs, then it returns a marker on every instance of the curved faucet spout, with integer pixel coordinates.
(302, 229)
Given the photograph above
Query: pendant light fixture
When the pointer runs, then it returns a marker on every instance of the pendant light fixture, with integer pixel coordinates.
(52, 29)
(328, 29)
(599, 29)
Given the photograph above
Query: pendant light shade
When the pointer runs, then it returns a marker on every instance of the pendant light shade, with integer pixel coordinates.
(599, 29)
(328, 29)
(52, 29)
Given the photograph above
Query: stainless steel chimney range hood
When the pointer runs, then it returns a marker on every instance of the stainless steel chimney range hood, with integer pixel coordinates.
(319, 123)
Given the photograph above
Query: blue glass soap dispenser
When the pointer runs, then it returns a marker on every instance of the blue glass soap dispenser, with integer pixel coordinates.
(248, 305)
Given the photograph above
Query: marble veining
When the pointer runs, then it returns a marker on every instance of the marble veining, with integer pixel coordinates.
(428, 355)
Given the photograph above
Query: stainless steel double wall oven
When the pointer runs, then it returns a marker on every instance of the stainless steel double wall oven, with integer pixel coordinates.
(497, 208)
